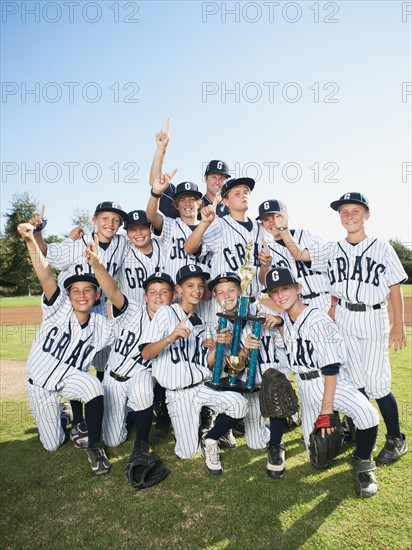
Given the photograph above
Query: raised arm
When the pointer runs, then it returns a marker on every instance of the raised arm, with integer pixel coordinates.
(106, 281)
(397, 335)
(208, 214)
(40, 264)
(160, 184)
(265, 259)
(39, 223)
(298, 253)
(162, 141)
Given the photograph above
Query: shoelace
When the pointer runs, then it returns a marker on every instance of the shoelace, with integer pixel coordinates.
(213, 453)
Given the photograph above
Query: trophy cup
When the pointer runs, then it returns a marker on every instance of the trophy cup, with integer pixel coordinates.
(235, 363)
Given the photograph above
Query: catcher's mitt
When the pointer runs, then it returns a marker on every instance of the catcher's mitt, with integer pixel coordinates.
(144, 469)
(277, 398)
(322, 450)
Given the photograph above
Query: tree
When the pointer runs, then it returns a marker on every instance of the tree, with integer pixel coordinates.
(405, 256)
(83, 219)
(16, 266)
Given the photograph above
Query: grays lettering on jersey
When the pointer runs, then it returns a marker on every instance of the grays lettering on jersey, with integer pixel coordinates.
(360, 273)
(68, 257)
(227, 239)
(182, 363)
(62, 345)
(172, 241)
(137, 267)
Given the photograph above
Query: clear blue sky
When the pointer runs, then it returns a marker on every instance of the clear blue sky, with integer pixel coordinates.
(273, 88)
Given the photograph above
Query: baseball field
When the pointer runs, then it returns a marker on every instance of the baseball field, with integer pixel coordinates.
(51, 500)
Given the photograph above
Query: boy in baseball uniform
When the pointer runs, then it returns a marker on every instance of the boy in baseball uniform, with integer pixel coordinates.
(181, 363)
(69, 336)
(364, 272)
(317, 356)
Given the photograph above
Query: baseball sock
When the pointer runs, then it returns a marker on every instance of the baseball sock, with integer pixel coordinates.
(389, 411)
(277, 426)
(94, 416)
(365, 440)
(143, 422)
(223, 424)
(77, 409)
(100, 375)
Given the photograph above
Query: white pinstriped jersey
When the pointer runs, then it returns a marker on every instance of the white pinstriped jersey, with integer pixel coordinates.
(313, 341)
(137, 267)
(125, 357)
(62, 345)
(172, 241)
(227, 239)
(313, 282)
(182, 363)
(360, 273)
(68, 256)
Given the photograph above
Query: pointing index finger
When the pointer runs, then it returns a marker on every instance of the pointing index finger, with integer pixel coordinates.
(168, 124)
(183, 321)
(42, 209)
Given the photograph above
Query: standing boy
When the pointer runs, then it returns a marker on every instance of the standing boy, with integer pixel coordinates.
(363, 273)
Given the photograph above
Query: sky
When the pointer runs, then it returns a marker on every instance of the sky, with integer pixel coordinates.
(311, 99)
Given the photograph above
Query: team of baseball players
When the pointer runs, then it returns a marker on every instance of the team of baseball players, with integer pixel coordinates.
(326, 323)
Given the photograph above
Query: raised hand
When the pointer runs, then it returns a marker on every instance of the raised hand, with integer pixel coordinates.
(180, 330)
(38, 220)
(281, 220)
(265, 257)
(76, 234)
(161, 182)
(26, 231)
(163, 137)
(92, 252)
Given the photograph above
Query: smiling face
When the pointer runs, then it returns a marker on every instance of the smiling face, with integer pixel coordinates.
(140, 236)
(268, 222)
(191, 291)
(227, 292)
(237, 199)
(353, 217)
(187, 205)
(158, 294)
(285, 296)
(214, 184)
(82, 296)
(107, 224)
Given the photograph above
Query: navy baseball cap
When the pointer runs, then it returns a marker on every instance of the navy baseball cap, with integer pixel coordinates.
(159, 277)
(235, 182)
(279, 276)
(223, 278)
(217, 167)
(190, 270)
(350, 198)
(136, 217)
(270, 207)
(187, 188)
(108, 206)
(84, 277)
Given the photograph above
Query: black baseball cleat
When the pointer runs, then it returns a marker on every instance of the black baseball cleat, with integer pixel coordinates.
(162, 425)
(99, 462)
(394, 448)
(365, 481)
(79, 435)
(276, 466)
(227, 441)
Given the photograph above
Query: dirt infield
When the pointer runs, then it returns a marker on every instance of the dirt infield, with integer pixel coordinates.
(12, 379)
(29, 315)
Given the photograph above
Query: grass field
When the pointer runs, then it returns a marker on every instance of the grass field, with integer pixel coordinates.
(51, 500)
(20, 301)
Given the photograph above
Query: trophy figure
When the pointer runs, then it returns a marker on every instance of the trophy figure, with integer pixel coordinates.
(235, 363)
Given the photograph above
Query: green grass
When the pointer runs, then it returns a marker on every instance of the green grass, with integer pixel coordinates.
(407, 290)
(16, 340)
(20, 301)
(50, 500)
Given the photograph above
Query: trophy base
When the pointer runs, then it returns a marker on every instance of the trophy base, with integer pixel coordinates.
(224, 385)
